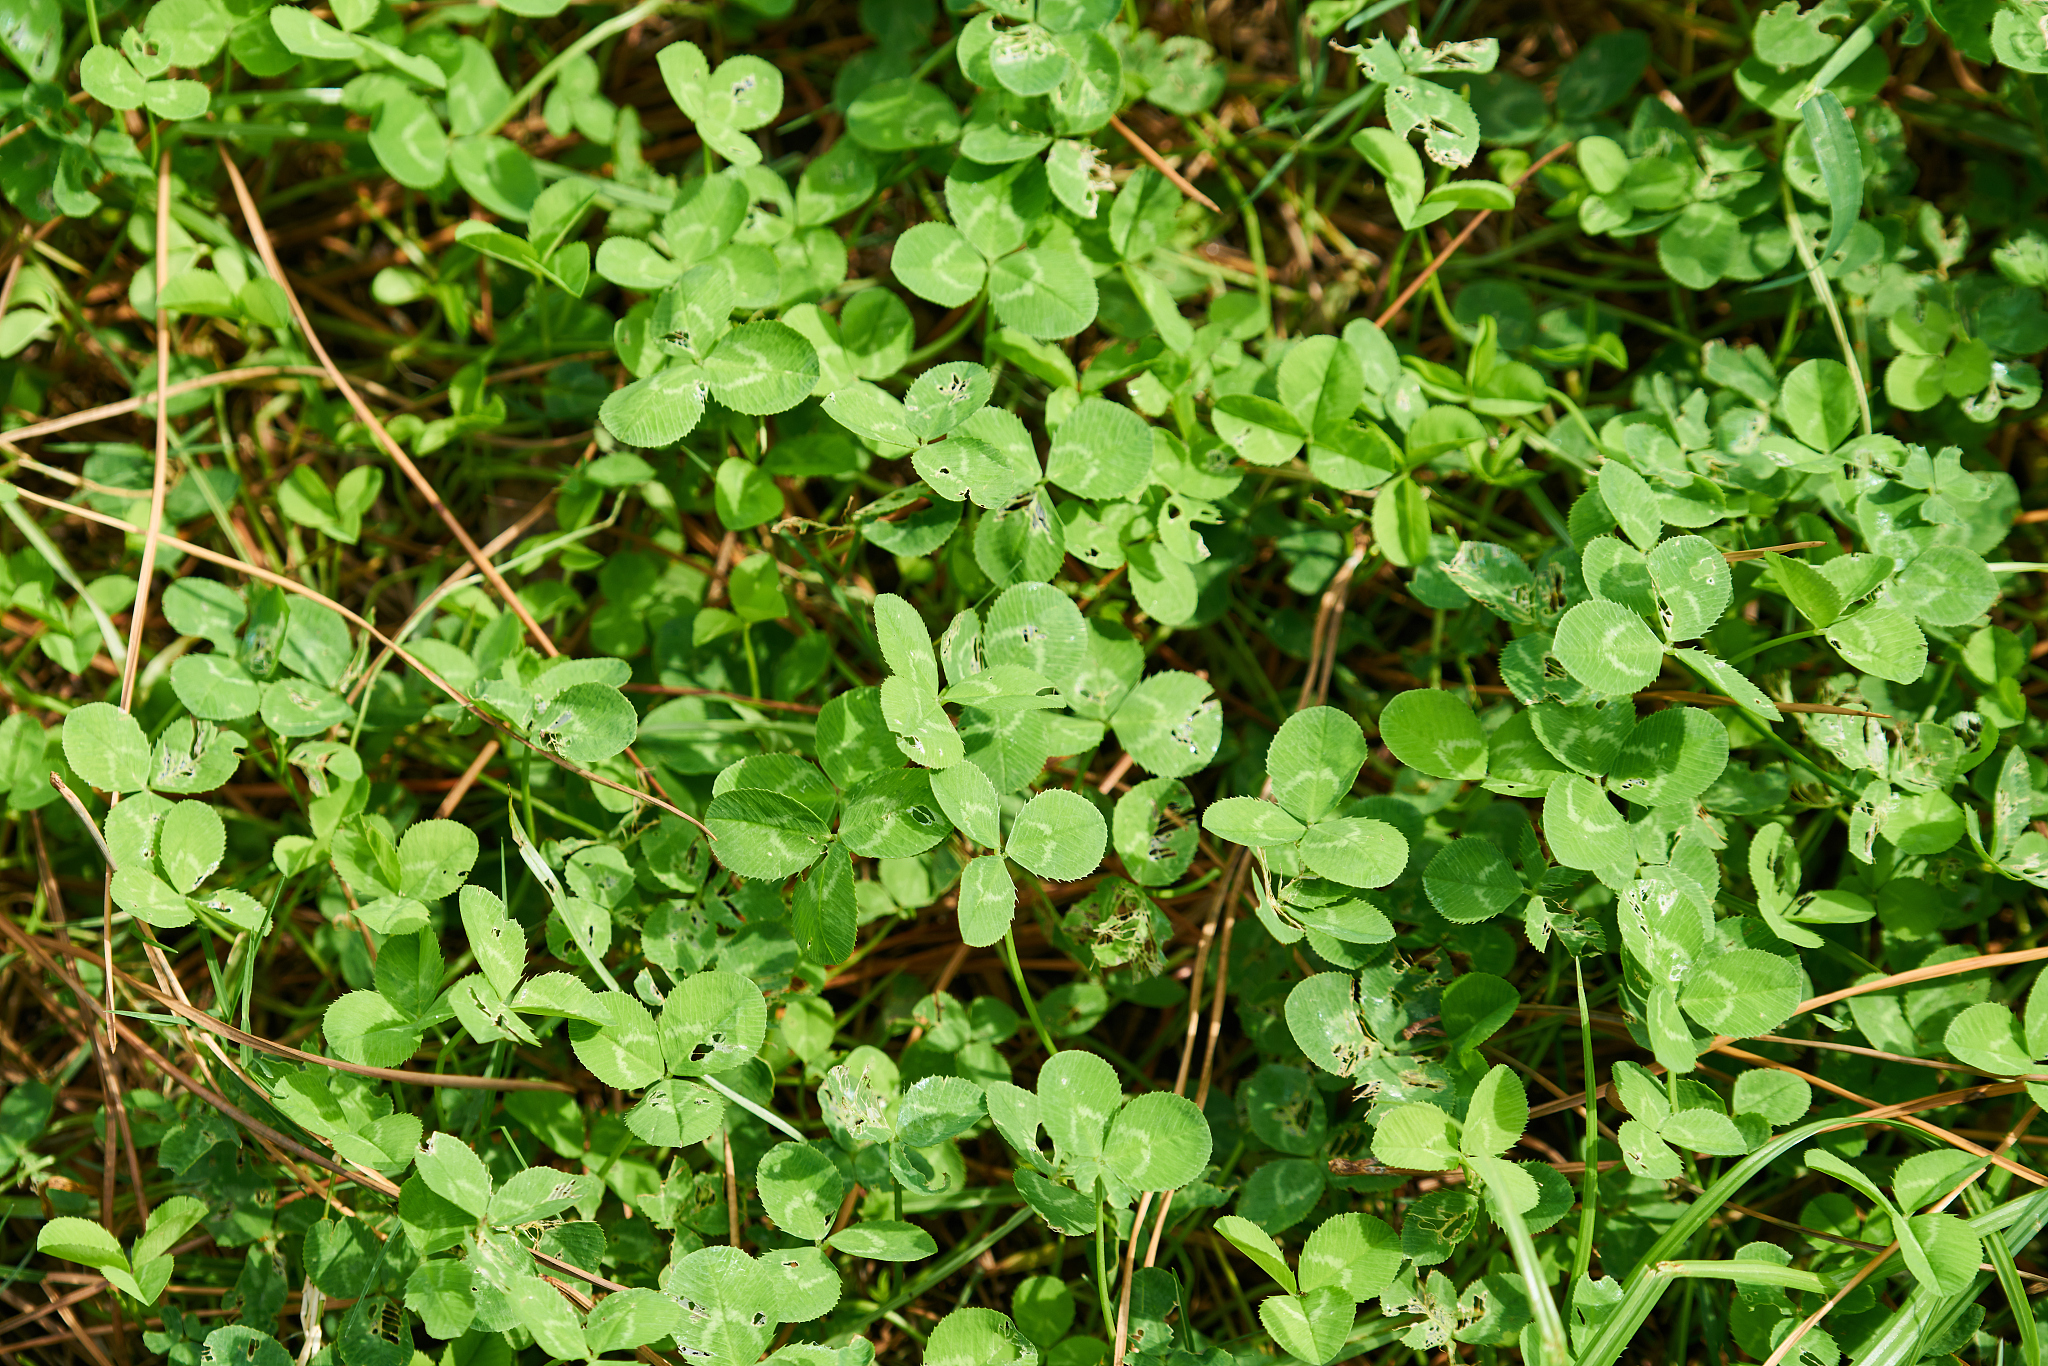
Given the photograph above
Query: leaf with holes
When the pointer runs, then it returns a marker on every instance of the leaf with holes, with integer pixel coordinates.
(712, 1023)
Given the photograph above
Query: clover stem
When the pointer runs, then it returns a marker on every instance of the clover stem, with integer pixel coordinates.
(618, 23)
(1777, 742)
(1589, 1189)
(526, 798)
(1102, 1274)
(1773, 644)
(753, 667)
(1816, 277)
(765, 1115)
(937, 346)
(1030, 1005)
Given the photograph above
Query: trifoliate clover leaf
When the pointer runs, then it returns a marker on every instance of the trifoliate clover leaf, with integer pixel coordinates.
(764, 834)
(1694, 583)
(761, 368)
(1433, 730)
(105, 746)
(1881, 640)
(1355, 850)
(1608, 648)
(1469, 880)
(1059, 835)
(1250, 821)
(988, 899)
(1743, 993)
(1314, 760)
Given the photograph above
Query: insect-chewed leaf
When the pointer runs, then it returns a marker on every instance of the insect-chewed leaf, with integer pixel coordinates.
(1695, 583)
(453, 1171)
(190, 844)
(1171, 723)
(893, 814)
(711, 1023)
(1323, 1016)
(1671, 756)
(673, 1113)
(732, 1301)
(923, 731)
(1153, 832)
(1037, 627)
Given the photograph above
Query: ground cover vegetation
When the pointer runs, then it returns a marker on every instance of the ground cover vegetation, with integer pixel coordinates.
(1054, 682)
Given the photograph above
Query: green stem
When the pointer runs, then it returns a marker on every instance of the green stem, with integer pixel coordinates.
(1777, 741)
(1030, 1005)
(938, 345)
(766, 1116)
(1102, 1274)
(1819, 280)
(10, 504)
(1772, 645)
(1589, 1186)
(931, 63)
(1852, 47)
(1542, 1304)
(753, 667)
(618, 23)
